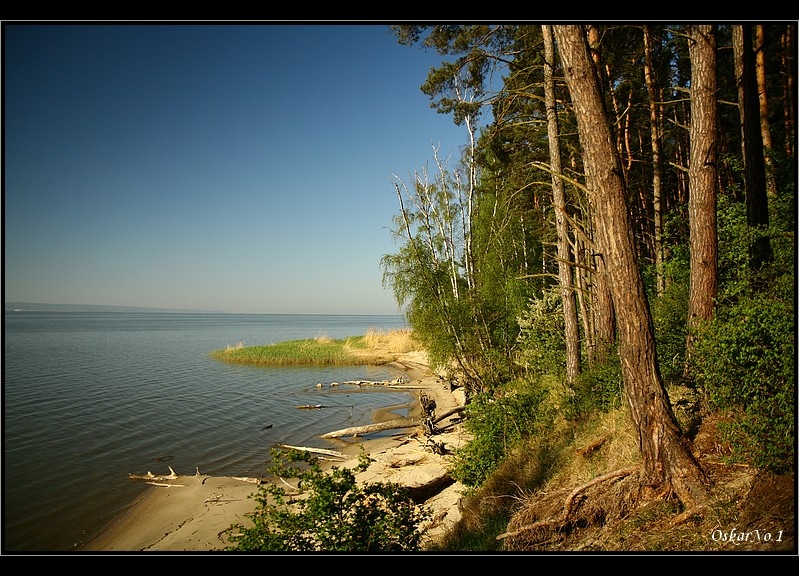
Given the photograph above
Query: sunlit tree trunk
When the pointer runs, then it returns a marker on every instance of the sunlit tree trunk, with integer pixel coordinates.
(788, 65)
(602, 305)
(657, 203)
(559, 200)
(667, 458)
(702, 178)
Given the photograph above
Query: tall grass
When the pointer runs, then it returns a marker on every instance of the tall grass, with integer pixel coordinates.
(375, 348)
(396, 341)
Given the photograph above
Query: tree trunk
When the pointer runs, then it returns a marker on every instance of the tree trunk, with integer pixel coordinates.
(602, 305)
(751, 143)
(559, 201)
(657, 196)
(667, 459)
(788, 68)
(765, 128)
(702, 178)
(602, 309)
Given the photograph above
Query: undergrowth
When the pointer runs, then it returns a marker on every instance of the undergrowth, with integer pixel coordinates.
(330, 512)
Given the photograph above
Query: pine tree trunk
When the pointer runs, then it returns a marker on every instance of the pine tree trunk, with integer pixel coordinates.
(657, 196)
(602, 304)
(765, 127)
(702, 179)
(668, 462)
(788, 68)
(559, 201)
(751, 143)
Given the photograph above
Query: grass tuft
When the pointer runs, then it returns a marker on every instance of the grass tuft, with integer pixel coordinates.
(374, 348)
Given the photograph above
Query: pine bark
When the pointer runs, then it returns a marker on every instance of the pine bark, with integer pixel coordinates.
(702, 178)
(657, 194)
(603, 320)
(571, 331)
(667, 459)
(751, 143)
(765, 127)
(788, 69)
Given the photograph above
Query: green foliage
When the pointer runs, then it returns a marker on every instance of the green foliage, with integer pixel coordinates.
(334, 514)
(597, 389)
(744, 360)
(542, 342)
(735, 237)
(497, 423)
(670, 316)
(456, 272)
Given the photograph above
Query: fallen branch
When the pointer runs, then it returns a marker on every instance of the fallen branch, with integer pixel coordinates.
(151, 476)
(593, 446)
(310, 407)
(456, 410)
(162, 485)
(567, 505)
(397, 382)
(388, 425)
(314, 450)
(377, 427)
(248, 479)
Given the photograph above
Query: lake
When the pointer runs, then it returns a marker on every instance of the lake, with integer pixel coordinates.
(90, 397)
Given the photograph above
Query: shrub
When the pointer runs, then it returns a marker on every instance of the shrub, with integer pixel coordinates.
(597, 389)
(334, 513)
(670, 315)
(542, 343)
(744, 360)
(497, 423)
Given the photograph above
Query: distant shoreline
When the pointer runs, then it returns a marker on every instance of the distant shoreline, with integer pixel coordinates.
(10, 307)
(37, 307)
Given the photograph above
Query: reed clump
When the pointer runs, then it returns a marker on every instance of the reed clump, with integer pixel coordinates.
(376, 347)
(398, 341)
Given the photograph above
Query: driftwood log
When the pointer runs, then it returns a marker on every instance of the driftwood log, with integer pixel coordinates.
(376, 427)
(153, 477)
(423, 492)
(322, 451)
(388, 425)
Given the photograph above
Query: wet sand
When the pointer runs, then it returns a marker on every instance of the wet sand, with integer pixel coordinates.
(192, 513)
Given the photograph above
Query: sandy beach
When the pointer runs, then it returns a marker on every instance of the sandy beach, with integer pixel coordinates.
(191, 512)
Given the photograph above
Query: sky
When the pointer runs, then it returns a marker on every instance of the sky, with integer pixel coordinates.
(219, 167)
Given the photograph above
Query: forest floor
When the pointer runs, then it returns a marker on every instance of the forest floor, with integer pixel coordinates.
(577, 511)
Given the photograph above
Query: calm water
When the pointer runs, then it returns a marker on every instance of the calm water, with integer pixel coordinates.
(91, 397)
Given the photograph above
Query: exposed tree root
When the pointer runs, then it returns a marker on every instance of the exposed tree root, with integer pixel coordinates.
(568, 505)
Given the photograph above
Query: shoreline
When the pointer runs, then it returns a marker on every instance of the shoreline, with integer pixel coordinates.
(190, 513)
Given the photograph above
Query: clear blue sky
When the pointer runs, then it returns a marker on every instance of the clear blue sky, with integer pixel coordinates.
(217, 167)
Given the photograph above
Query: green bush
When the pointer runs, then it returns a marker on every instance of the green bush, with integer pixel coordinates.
(744, 360)
(597, 389)
(542, 341)
(334, 513)
(496, 424)
(670, 316)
